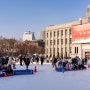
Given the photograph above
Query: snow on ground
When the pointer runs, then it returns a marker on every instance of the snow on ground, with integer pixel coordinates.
(47, 79)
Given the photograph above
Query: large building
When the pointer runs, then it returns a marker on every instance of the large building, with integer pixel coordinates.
(28, 36)
(41, 35)
(64, 41)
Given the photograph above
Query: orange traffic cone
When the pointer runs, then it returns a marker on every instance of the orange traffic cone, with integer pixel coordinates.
(35, 69)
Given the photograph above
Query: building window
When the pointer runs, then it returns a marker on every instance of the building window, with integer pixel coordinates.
(70, 49)
(54, 42)
(61, 32)
(66, 32)
(70, 40)
(62, 50)
(57, 49)
(47, 35)
(58, 42)
(50, 42)
(54, 34)
(57, 33)
(70, 31)
(50, 34)
(66, 41)
(54, 51)
(50, 51)
(61, 41)
(76, 50)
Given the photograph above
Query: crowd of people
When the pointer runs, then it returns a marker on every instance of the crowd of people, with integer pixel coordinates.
(7, 64)
(69, 64)
(27, 60)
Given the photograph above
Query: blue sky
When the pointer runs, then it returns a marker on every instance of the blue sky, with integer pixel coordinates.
(18, 16)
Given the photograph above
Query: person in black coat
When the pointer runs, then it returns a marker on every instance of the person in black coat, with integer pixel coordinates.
(54, 61)
(6, 60)
(27, 61)
(20, 60)
(37, 60)
(42, 60)
(85, 60)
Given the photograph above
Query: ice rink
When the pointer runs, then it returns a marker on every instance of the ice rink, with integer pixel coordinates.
(46, 78)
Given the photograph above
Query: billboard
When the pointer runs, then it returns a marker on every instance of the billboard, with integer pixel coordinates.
(81, 33)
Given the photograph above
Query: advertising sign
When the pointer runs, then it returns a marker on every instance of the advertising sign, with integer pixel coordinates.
(81, 33)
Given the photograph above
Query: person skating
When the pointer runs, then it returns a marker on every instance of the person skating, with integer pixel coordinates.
(20, 60)
(27, 61)
(42, 60)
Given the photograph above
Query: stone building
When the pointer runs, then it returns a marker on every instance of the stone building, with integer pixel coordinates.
(58, 39)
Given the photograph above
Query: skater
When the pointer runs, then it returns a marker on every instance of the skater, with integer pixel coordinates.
(26, 61)
(20, 60)
(42, 60)
(54, 61)
(37, 60)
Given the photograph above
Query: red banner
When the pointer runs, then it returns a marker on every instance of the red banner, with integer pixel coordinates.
(80, 32)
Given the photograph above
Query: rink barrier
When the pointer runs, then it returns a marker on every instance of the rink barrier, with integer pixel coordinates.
(60, 69)
(64, 69)
(23, 72)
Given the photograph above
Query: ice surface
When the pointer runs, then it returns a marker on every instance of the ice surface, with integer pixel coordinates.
(47, 79)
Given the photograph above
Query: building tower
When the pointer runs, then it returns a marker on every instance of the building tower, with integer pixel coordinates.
(88, 11)
(28, 36)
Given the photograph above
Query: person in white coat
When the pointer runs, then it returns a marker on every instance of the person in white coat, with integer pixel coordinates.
(11, 62)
